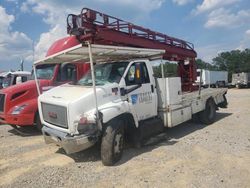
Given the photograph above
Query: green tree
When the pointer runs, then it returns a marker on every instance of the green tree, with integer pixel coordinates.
(234, 61)
(170, 70)
(200, 64)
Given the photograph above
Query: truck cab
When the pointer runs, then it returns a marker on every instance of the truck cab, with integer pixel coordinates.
(18, 103)
(13, 77)
(240, 80)
(117, 89)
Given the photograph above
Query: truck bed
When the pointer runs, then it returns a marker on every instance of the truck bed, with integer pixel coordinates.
(176, 107)
(204, 94)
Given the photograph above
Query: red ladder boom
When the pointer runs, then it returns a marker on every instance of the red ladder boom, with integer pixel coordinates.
(101, 28)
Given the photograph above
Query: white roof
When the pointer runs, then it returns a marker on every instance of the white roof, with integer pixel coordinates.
(21, 73)
(4, 74)
(101, 53)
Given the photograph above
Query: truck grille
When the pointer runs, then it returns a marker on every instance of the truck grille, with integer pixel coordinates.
(2, 101)
(56, 115)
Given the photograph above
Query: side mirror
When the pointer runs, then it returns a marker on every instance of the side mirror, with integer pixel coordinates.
(138, 73)
(18, 80)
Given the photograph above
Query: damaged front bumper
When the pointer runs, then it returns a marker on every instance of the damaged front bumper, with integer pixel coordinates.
(71, 144)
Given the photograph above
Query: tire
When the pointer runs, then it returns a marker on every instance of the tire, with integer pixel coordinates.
(208, 115)
(224, 84)
(112, 142)
(38, 123)
(217, 85)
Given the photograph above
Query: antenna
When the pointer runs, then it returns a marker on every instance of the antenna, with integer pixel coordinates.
(21, 64)
(33, 50)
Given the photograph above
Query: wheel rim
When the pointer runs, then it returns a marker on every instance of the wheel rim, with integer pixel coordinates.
(118, 143)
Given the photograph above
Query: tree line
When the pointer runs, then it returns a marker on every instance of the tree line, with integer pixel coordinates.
(234, 61)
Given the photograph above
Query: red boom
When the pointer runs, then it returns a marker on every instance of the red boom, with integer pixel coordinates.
(100, 28)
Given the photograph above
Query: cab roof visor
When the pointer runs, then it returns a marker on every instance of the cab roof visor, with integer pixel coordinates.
(101, 53)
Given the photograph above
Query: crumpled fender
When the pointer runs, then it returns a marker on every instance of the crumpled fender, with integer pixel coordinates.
(112, 110)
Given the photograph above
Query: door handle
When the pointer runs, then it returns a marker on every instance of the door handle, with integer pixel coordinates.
(152, 88)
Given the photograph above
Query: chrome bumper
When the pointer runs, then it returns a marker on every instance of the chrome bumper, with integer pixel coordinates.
(71, 144)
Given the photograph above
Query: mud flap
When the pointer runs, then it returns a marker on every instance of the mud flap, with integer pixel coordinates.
(224, 103)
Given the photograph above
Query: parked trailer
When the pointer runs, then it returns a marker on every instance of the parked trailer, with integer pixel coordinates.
(212, 78)
(241, 79)
(119, 98)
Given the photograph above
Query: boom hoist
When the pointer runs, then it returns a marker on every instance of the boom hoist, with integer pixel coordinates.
(100, 28)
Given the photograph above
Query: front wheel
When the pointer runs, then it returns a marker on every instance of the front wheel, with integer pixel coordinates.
(112, 142)
(207, 116)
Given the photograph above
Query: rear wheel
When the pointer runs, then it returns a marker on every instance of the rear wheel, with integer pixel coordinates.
(38, 123)
(207, 116)
(112, 142)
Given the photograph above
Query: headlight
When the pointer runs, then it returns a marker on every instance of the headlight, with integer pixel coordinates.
(18, 109)
(86, 126)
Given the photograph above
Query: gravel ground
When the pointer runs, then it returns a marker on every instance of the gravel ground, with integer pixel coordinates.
(189, 155)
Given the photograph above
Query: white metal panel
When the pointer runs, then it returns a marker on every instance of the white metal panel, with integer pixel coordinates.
(173, 90)
(197, 105)
(161, 92)
(169, 91)
(178, 116)
(101, 53)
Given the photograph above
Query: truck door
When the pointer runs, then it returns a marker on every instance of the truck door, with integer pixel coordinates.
(142, 97)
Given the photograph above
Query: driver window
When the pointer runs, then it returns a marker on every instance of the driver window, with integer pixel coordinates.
(66, 73)
(130, 77)
(24, 78)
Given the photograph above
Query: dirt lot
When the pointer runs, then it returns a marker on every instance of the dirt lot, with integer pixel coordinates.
(190, 155)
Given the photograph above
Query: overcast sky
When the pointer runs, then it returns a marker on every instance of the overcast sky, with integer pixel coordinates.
(212, 26)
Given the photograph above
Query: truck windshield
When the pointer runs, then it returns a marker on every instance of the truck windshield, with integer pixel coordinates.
(45, 72)
(6, 81)
(105, 73)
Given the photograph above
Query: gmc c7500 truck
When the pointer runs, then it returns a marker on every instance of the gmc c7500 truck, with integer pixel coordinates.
(118, 98)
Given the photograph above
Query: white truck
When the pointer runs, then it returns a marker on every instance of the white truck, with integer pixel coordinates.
(241, 79)
(212, 78)
(118, 99)
(13, 77)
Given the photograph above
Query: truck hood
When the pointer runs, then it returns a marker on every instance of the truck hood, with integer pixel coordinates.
(21, 93)
(65, 94)
(68, 94)
(31, 84)
(78, 100)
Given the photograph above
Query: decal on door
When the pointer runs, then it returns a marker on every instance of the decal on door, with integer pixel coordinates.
(141, 98)
(134, 98)
(145, 97)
